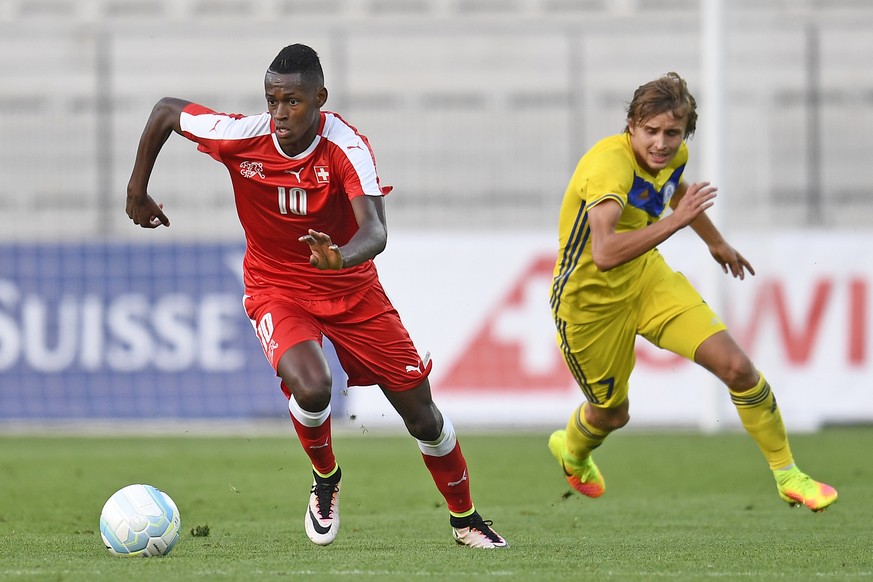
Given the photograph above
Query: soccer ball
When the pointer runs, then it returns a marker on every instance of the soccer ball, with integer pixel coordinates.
(139, 520)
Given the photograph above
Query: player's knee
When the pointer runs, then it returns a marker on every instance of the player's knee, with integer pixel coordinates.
(313, 393)
(424, 424)
(608, 419)
(616, 421)
(739, 373)
(425, 429)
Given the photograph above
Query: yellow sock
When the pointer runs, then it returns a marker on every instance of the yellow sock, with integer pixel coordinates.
(582, 438)
(763, 421)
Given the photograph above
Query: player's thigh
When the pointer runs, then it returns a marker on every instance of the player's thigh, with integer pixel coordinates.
(373, 345)
(684, 333)
(280, 324)
(673, 315)
(600, 355)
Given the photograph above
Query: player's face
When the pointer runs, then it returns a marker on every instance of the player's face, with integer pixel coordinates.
(295, 104)
(656, 141)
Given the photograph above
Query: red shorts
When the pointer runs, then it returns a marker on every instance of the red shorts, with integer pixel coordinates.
(371, 342)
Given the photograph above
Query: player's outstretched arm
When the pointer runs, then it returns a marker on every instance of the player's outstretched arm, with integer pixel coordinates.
(369, 241)
(729, 258)
(164, 119)
(611, 249)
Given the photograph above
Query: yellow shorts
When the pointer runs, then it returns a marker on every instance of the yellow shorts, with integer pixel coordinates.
(667, 311)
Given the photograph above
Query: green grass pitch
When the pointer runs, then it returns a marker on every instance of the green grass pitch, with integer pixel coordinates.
(677, 507)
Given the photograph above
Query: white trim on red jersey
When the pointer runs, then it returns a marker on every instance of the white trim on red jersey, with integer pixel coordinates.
(357, 150)
(335, 130)
(302, 154)
(210, 126)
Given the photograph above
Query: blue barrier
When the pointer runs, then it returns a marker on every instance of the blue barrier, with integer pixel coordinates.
(104, 330)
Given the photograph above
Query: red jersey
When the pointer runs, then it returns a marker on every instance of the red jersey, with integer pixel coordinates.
(280, 197)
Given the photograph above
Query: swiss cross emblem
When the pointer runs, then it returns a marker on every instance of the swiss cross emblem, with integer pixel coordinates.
(521, 331)
(322, 175)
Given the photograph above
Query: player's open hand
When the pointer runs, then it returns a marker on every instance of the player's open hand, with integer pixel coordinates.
(144, 211)
(325, 255)
(696, 200)
(731, 261)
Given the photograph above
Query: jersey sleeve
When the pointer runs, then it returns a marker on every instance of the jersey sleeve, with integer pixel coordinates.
(353, 158)
(359, 177)
(610, 177)
(195, 122)
(210, 129)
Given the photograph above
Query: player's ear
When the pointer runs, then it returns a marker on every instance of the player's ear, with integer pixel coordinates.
(322, 96)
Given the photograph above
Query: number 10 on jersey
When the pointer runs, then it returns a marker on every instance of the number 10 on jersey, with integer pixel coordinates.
(292, 200)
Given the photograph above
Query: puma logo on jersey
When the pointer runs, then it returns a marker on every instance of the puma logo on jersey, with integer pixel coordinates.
(217, 121)
(356, 146)
(413, 369)
(296, 173)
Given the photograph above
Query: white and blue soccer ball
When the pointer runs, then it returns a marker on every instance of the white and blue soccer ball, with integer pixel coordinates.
(139, 520)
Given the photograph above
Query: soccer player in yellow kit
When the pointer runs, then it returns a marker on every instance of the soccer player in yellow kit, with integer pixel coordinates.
(611, 284)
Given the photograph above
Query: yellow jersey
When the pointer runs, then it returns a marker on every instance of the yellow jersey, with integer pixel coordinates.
(608, 171)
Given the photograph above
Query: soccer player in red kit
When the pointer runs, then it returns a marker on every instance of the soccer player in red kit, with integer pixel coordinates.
(311, 205)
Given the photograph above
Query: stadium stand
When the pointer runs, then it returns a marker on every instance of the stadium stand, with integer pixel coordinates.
(477, 110)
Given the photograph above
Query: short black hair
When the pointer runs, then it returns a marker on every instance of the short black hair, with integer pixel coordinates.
(298, 58)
